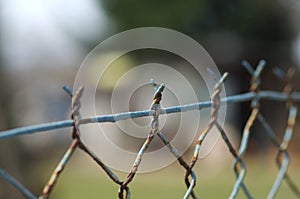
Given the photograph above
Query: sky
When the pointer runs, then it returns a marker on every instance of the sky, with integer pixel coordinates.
(45, 33)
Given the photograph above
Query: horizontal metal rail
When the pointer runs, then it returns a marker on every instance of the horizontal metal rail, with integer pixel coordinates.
(255, 95)
(267, 95)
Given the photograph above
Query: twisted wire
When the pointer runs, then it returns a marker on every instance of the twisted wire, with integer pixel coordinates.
(282, 156)
(216, 102)
(154, 130)
(255, 105)
(174, 151)
(255, 95)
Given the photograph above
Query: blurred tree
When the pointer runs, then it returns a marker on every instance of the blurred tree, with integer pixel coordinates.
(256, 25)
(229, 30)
(10, 160)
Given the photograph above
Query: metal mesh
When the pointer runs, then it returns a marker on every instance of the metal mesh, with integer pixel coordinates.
(255, 95)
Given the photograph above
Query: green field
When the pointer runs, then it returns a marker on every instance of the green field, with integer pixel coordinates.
(89, 181)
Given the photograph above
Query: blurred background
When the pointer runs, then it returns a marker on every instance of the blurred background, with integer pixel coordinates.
(44, 42)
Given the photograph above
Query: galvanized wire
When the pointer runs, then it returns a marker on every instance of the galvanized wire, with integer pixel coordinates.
(14, 182)
(255, 95)
(282, 157)
(254, 87)
(216, 103)
(263, 95)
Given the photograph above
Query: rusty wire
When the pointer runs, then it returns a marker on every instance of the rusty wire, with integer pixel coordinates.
(216, 103)
(154, 131)
(75, 115)
(282, 157)
(184, 164)
(240, 169)
(255, 95)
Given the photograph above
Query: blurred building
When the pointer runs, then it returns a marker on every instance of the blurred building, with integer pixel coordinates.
(44, 42)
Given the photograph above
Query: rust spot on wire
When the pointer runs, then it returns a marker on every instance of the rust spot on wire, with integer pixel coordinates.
(75, 115)
(154, 130)
(239, 167)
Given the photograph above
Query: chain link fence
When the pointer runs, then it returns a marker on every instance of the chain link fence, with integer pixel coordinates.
(255, 95)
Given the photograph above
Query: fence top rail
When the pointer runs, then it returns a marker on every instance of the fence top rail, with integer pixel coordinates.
(265, 94)
(255, 95)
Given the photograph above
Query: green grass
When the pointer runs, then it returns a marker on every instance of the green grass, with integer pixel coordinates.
(89, 181)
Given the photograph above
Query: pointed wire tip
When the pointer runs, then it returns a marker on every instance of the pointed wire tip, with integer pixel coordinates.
(161, 88)
(212, 74)
(155, 85)
(244, 62)
(224, 76)
(247, 66)
(68, 90)
(262, 63)
(278, 72)
(221, 80)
